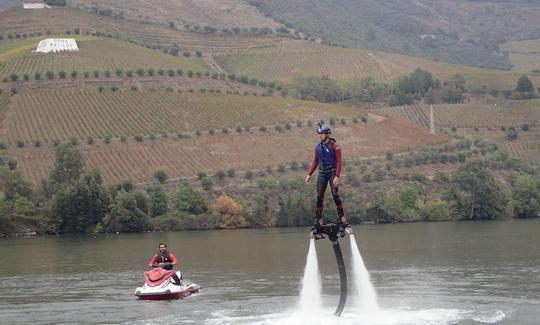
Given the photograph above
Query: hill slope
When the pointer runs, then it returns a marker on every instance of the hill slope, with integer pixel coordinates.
(465, 32)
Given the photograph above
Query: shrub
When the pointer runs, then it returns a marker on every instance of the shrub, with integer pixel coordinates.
(198, 133)
(49, 75)
(123, 139)
(294, 165)
(12, 164)
(20, 143)
(37, 76)
(73, 141)
(363, 119)
(211, 131)
(89, 140)
(74, 74)
(525, 127)
(220, 174)
(249, 174)
(225, 130)
(62, 74)
(107, 139)
(14, 77)
(231, 173)
(281, 168)
(262, 128)
(139, 138)
(26, 77)
(86, 74)
(161, 176)
(207, 183)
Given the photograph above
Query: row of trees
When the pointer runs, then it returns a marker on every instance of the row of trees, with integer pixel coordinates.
(418, 85)
(73, 201)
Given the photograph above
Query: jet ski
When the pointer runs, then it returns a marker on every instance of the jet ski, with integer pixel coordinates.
(159, 284)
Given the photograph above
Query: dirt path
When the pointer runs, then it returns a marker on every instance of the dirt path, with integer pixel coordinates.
(209, 60)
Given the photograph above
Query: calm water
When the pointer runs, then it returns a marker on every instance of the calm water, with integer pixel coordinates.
(438, 273)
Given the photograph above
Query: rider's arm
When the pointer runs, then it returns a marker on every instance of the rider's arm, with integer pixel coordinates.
(314, 163)
(339, 163)
(153, 260)
(173, 259)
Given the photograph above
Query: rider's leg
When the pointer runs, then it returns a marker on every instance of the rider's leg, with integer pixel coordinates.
(322, 183)
(338, 200)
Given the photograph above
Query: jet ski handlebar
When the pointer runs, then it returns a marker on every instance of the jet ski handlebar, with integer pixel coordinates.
(332, 230)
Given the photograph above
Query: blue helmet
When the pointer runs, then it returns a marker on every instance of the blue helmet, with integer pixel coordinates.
(323, 128)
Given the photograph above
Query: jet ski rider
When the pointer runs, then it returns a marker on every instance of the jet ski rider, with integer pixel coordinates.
(166, 260)
(328, 159)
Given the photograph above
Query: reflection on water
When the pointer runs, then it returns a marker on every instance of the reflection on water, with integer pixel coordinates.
(438, 273)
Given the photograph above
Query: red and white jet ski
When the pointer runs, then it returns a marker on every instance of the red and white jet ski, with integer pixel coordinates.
(160, 285)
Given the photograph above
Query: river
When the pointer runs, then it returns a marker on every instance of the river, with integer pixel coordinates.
(424, 273)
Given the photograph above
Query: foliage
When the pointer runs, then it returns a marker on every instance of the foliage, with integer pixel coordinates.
(158, 200)
(190, 200)
(68, 166)
(526, 197)
(78, 207)
(125, 216)
(231, 214)
(474, 194)
(524, 85)
(161, 176)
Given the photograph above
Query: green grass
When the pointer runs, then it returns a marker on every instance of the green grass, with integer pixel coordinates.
(61, 115)
(95, 54)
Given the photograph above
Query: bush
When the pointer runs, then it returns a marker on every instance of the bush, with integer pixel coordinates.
(225, 130)
(363, 119)
(211, 131)
(62, 74)
(525, 127)
(161, 176)
(20, 143)
(123, 139)
(231, 173)
(281, 168)
(294, 165)
(12, 164)
(89, 140)
(220, 174)
(107, 139)
(249, 174)
(207, 183)
(139, 138)
(73, 141)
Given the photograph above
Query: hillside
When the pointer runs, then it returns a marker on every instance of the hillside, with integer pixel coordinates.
(253, 150)
(51, 115)
(524, 55)
(95, 54)
(463, 32)
(20, 23)
(283, 60)
(215, 13)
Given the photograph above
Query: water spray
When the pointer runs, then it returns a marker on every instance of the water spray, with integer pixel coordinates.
(334, 232)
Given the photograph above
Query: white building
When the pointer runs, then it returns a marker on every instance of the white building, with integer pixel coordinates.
(34, 4)
(53, 45)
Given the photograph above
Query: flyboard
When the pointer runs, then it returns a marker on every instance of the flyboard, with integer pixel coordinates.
(334, 232)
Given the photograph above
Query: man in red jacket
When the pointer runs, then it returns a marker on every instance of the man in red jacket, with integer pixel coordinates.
(328, 159)
(166, 260)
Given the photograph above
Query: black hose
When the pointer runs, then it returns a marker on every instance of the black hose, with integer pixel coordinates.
(342, 278)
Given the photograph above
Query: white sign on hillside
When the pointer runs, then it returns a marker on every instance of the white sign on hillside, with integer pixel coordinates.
(53, 45)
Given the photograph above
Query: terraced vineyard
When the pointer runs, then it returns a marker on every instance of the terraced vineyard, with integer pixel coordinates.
(283, 60)
(249, 150)
(289, 57)
(528, 151)
(96, 54)
(60, 20)
(494, 115)
(217, 13)
(4, 101)
(61, 115)
(524, 55)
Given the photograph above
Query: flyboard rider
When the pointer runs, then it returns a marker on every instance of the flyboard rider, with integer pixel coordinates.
(328, 159)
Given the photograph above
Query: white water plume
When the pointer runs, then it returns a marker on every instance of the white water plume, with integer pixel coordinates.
(310, 295)
(365, 296)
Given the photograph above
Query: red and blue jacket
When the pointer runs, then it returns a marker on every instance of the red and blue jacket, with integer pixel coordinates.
(327, 157)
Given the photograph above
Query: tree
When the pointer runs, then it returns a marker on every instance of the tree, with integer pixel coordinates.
(77, 208)
(125, 216)
(161, 176)
(526, 197)
(158, 200)
(474, 194)
(524, 85)
(13, 185)
(68, 166)
(231, 213)
(190, 200)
